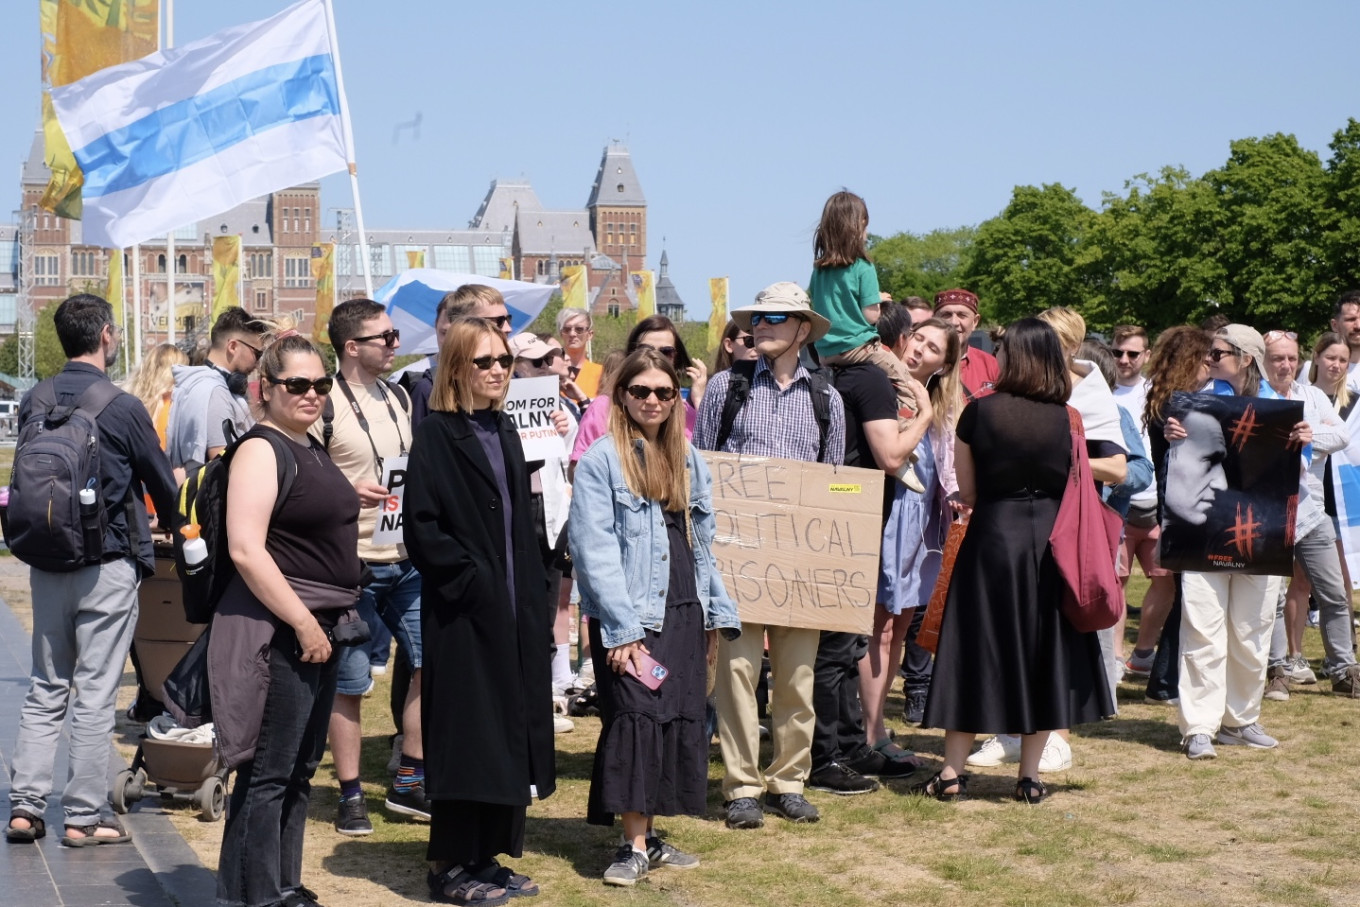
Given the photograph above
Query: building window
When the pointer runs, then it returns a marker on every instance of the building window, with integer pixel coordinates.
(261, 265)
(182, 263)
(46, 270)
(83, 264)
(261, 300)
(613, 310)
(307, 222)
(297, 271)
(160, 263)
(539, 266)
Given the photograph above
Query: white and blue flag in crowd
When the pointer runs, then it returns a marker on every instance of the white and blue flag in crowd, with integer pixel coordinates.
(412, 297)
(185, 134)
(1345, 467)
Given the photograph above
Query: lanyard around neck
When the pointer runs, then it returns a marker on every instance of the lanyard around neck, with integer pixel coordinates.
(363, 421)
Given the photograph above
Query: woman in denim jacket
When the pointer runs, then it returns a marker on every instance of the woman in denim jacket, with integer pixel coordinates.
(656, 602)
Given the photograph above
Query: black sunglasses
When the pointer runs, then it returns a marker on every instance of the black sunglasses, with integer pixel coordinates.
(748, 341)
(1127, 354)
(667, 351)
(499, 321)
(389, 338)
(770, 318)
(297, 386)
(1217, 355)
(484, 363)
(545, 359)
(254, 349)
(642, 392)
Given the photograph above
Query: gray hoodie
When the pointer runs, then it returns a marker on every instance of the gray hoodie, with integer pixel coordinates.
(199, 404)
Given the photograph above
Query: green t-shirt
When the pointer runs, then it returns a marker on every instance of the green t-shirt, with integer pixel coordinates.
(840, 295)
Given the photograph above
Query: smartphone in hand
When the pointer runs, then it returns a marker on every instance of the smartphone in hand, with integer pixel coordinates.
(652, 674)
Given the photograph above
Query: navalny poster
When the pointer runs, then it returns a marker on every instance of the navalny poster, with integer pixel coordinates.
(1231, 486)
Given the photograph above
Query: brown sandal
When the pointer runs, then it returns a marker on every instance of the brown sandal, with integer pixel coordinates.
(37, 828)
(90, 839)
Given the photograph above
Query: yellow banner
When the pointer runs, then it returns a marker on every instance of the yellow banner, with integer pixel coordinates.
(226, 274)
(574, 287)
(717, 319)
(644, 284)
(77, 40)
(113, 287)
(323, 272)
(507, 269)
(415, 258)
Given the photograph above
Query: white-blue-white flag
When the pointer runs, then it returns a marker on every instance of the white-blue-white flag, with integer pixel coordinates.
(413, 295)
(187, 133)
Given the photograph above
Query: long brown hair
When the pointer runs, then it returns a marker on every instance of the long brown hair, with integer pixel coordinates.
(658, 472)
(452, 391)
(839, 240)
(1173, 365)
(1033, 363)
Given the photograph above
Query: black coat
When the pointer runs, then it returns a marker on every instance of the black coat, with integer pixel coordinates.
(486, 694)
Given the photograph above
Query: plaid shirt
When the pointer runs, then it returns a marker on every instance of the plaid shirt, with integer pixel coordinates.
(773, 422)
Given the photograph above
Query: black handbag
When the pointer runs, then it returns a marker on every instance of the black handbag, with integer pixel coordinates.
(187, 685)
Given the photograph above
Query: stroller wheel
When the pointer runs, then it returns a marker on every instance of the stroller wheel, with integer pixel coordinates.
(211, 799)
(124, 788)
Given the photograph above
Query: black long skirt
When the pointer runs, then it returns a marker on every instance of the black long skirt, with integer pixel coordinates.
(1008, 662)
(652, 756)
(469, 833)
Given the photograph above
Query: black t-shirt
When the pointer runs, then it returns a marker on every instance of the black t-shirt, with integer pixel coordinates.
(869, 397)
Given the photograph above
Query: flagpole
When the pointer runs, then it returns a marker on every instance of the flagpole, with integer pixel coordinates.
(137, 303)
(170, 237)
(348, 132)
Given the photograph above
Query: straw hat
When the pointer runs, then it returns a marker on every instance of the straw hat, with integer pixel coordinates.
(783, 297)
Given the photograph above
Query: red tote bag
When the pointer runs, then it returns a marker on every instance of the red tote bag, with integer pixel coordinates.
(1084, 540)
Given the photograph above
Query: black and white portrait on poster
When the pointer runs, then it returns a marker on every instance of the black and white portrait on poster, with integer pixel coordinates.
(1231, 486)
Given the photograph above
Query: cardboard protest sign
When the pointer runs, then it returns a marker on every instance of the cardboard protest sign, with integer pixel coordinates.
(1231, 488)
(798, 543)
(530, 403)
(387, 531)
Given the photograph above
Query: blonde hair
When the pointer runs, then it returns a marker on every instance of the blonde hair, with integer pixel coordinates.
(946, 397)
(658, 472)
(452, 392)
(1326, 341)
(153, 379)
(1069, 326)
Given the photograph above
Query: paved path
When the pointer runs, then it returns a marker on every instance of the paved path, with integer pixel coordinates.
(159, 870)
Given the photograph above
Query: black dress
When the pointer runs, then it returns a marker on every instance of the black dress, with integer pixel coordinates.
(652, 756)
(1008, 662)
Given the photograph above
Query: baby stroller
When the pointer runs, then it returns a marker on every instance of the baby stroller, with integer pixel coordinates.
(180, 770)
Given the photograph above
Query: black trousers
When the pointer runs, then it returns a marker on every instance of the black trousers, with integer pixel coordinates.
(838, 729)
(917, 663)
(1164, 681)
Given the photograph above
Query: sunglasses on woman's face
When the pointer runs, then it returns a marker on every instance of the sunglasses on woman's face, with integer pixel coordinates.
(297, 386)
(1217, 354)
(389, 338)
(642, 392)
(747, 341)
(484, 363)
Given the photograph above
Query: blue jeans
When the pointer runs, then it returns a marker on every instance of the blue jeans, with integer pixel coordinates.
(394, 595)
(261, 859)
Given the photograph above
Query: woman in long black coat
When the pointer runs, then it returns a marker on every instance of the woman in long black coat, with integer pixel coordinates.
(486, 701)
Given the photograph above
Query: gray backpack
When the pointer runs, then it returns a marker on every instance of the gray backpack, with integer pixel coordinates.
(56, 458)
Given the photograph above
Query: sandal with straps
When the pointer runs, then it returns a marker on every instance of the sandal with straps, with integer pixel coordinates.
(90, 838)
(37, 828)
(515, 884)
(902, 756)
(945, 790)
(1030, 790)
(456, 885)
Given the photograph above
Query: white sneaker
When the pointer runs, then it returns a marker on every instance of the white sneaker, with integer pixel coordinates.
(996, 750)
(1057, 755)
(377, 670)
(562, 725)
(1297, 670)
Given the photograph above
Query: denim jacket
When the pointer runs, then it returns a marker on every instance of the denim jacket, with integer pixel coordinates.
(621, 553)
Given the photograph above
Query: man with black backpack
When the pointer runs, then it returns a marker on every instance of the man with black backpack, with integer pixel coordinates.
(86, 451)
(366, 421)
(773, 407)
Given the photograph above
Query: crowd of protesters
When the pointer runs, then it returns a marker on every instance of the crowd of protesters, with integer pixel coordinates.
(499, 552)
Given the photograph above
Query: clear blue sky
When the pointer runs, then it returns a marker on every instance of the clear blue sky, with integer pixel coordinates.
(742, 117)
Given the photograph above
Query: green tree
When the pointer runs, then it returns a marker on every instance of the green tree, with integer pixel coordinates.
(911, 264)
(9, 355)
(48, 356)
(1343, 203)
(1028, 258)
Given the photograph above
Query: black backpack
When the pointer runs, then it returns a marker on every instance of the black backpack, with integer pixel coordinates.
(739, 389)
(56, 458)
(203, 500)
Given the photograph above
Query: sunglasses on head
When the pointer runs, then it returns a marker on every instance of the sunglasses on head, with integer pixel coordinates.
(667, 351)
(545, 359)
(297, 386)
(1127, 354)
(389, 338)
(748, 341)
(769, 318)
(642, 392)
(1217, 354)
(505, 360)
(1272, 336)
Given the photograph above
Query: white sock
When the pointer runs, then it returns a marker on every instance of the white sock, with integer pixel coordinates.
(561, 663)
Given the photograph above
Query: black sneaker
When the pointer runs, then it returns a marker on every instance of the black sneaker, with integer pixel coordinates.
(842, 780)
(873, 764)
(410, 802)
(743, 812)
(352, 818)
(915, 712)
(793, 807)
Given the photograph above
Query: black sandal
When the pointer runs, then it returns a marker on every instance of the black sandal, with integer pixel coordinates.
(456, 885)
(90, 839)
(940, 788)
(515, 884)
(37, 828)
(1030, 790)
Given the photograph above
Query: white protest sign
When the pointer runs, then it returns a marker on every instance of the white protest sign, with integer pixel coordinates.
(387, 531)
(530, 403)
